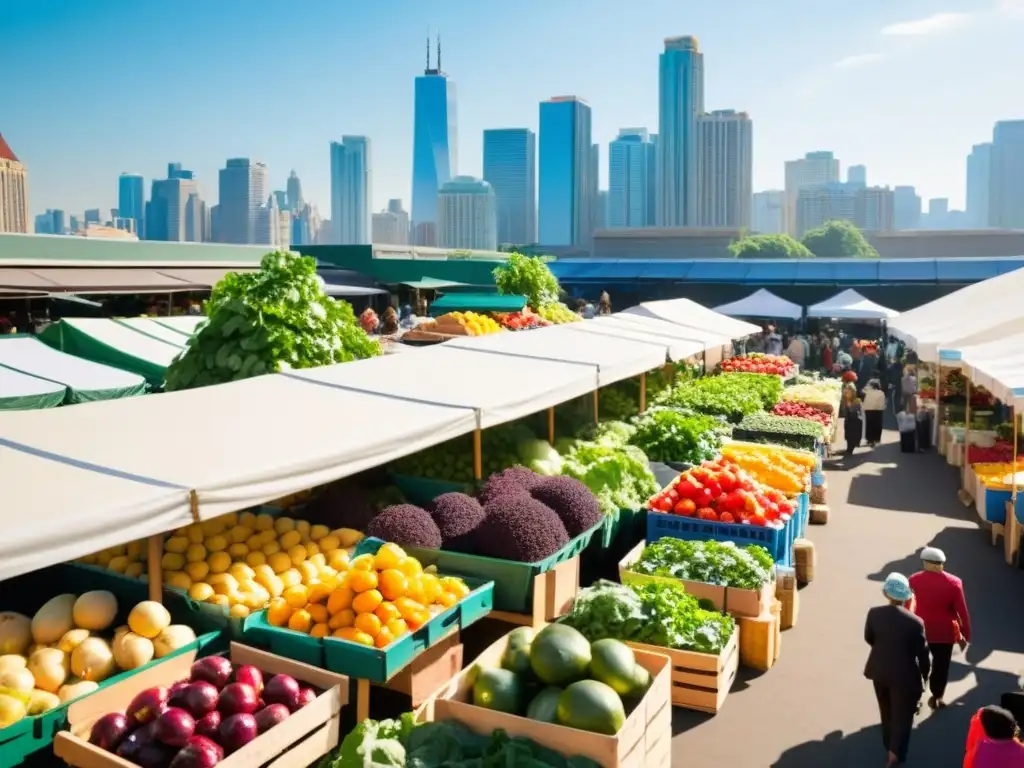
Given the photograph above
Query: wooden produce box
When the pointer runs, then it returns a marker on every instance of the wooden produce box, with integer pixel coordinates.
(761, 639)
(818, 514)
(789, 599)
(297, 742)
(701, 681)
(644, 741)
(805, 560)
(738, 602)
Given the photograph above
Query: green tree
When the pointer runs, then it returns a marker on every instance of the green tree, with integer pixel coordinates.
(838, 240)
(769, 247)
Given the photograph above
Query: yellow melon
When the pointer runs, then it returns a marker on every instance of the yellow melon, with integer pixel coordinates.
(95, 610)
(54, 619)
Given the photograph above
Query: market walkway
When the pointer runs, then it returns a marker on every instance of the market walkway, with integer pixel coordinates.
(814, 708)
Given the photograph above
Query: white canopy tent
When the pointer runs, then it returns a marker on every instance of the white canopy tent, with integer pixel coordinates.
(152, 327)
(186, 324)
(678, 343)
(614, 359)
(998, 366)
(693, 315)
(762, 303)
(20, 391)
(850, 305)
(977, 313)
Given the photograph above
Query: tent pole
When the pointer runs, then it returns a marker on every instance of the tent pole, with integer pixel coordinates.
(478, 457)
(154, 552)
(597, 409)
(551, 425)
(1010, 527)
(643, 392)
(967, 432)
(938, 398)
(170, 303)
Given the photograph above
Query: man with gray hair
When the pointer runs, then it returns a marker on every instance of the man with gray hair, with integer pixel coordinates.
(940, 603)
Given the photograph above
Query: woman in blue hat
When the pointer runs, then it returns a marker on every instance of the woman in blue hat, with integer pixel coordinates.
(898, 664)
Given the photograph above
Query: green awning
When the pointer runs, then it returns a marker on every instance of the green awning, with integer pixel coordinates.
(477, 302)
(433, 284)
(21, 392)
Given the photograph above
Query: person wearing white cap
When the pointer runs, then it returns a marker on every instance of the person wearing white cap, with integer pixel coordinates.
(898, 664)
(940, 602)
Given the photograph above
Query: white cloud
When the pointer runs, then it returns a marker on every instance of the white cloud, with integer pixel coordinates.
(860, 60)
(932, 25)
(1012, 8)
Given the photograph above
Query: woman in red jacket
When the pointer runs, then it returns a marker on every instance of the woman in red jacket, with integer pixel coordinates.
(940, 603)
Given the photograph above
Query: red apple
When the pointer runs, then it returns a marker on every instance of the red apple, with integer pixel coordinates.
(200, 752)
(237, 731)
(148, 705)
(237, 699)
(282, 689)
(270, 716)
(198, 698)
(174, 727)
(249, 675)
(109, 731)
(215, 670)
(209, 724)
(306, 696)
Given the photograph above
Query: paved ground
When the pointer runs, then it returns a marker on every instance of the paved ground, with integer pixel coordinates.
(814, 708)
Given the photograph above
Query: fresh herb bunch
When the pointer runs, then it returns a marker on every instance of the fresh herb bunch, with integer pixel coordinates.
(657, 614)
(619, 476)
(527, 276)
(711, 562)
(272, 320)
(731, 395)
(784, 430)
(669, 434)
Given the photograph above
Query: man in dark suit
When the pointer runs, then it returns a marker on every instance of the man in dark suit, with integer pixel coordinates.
(898, 664)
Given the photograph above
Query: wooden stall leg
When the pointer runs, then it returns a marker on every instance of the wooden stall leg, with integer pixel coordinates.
(478, 456)
(362, 700)
(597, 408)
(154, 553)
(643, 392)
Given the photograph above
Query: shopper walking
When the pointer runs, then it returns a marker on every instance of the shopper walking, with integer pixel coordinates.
(852, 411)
(897, 665)
(908, 386)
(874, 412)
(994, 740)
(940, 603)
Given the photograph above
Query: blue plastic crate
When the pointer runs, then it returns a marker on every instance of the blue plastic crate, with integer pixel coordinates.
(995, 505)
(778, 541)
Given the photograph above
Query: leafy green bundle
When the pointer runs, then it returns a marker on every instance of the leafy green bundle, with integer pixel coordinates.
(782, 430)
(722, 395)
(618, 474)
(527, 276)
(711, 562)
(268, 321)
(656, 614)
(669, 434)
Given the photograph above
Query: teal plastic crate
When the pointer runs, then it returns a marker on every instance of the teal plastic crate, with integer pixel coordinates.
(27, 593)
(513, 582)
(377, 665)
(423, 490)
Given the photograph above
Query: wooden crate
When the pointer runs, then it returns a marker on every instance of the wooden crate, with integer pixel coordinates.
(818, 514)
(640, 743)
(789, 600)
(297, 742)
(761, 639)
(553, 595)
(819, 494)
(700, 681)
(805, 560)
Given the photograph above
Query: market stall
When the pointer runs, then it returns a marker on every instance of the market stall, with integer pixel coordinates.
(850, 305)
(762, 303)
(690, 314)
(20, 391)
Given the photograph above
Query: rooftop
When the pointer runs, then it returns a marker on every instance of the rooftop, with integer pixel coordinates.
(6, 153)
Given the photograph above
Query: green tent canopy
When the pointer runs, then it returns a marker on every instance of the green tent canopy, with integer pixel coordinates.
(79, 380)
(433, 284)
(21, 392)
(477, 302)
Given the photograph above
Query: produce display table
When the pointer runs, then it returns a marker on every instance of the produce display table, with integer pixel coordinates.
(700, 681)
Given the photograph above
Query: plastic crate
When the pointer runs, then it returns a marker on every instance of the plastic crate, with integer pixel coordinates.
(375, 664)
(513, 581)
(995, 500)
(423, 490)
(805, 512)
(27, 593)
(778, 541)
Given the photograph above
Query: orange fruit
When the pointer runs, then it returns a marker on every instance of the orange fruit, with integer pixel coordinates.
(456, 586)
(367, 602)
(363, 563)
(410, 567)
(362, 581)
(414, 590)
(383, 638)
(388, 556)
(319, 592)
(339, 600)
(431, 588)
(393, 584)
(447, 599)
(278, 612)
(397, 627)
(368, 623)
(341, 619)
(300, 621)
(319, 630)
(297, 596)
(318, 612)
(387, 612)
(406, 606)
(417, 618)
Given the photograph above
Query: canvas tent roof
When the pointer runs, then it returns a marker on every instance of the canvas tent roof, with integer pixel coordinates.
(850, 305)
(614, 359)
(679, 343)
(83, 381)
(21, 392)
(998, 366)
(693, 315)
(186, 324)
(762, 303)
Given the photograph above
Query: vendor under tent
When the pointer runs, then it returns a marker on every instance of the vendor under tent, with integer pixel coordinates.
(499, 388)
(146, 465)
(693, 315)
(22, 392)
(83, 381)
(111, 343)
(850, 305)
(762, 303)
(615, 359)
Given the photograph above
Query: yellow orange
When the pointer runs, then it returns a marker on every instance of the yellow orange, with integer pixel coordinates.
(354, 635)
(368, 623)
(248, 519)
(195, 534)
(329, 543)
(239, 611)
(254, 542)
(388, 556)
(284, 525)
(219, 562)
(363, 563)
(197, 571)
(431, 588)
(319, 592)
(317, 532)
(178, 579)
(222, 600)
(241, 571)
(319, 613)
(345, 618)
(239, 534)
(176, 544)
(255, 558)
(297, 596)
(411, 567)
(216, 544)
(201, 592)
(263, 522)
(290, 578)
(270, 548)
(238, 551)
(338, 560)
(447, 599)
(171, 561)
(320, 630)
(383, 638)
(387, 612)
(302, 526)
(279, 561)
(290, 539)
(195, 553)
(397, 627)
(339, 600)
(393, 584)
(367, 602)
(300, 621)
(361, 581)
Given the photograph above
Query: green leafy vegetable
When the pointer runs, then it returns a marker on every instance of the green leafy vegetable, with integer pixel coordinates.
(730, 395)
(373, 744)
(620, 477)
(669, 434)
(655, 614)
(527, 276)
(268, 321)
(782, 430)
(710, 562)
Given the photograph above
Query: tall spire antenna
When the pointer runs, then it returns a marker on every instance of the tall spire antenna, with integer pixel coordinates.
(439, 52)
(428, 52)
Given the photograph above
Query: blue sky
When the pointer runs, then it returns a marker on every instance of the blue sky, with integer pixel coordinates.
(95, 88)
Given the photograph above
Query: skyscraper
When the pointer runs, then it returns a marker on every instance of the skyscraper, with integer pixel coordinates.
(131, 201)
(725, 169)
(680, 101)
(167, 217)
(565, 214)
(195, 219)
(857, 175)
(351, 190)
(906, 205)
(631, 182)
(466, 215)
(1006, 176)
(510, 167)
(391, 226)
(767, 216)
(434, 146)
(869, 208)
(294, 193)
(979, 164)
(243, 191)
(813, 169)
(13, 191)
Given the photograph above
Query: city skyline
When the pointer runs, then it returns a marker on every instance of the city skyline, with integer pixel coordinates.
(877, 95)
